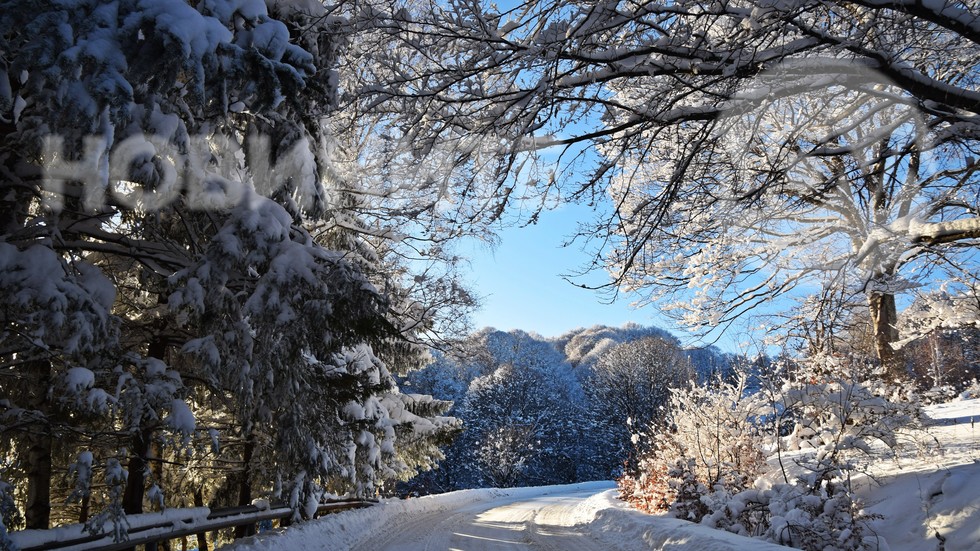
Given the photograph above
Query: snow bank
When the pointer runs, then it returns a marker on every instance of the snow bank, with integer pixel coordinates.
(933, 497)
(613, 523)
(955, 412)
(345, 530)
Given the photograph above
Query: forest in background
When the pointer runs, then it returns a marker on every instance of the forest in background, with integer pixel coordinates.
(539, 411)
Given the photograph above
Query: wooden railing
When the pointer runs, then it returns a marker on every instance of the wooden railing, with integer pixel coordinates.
(178, 527)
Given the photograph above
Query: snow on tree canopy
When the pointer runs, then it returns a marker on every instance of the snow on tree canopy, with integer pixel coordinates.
(99, 69)
(54, 303)
(298, 351)
(181, 419)
(214, 279)
(79, 378)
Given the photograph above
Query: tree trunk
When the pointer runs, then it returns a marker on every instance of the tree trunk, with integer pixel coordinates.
(132, 501)
(202, 537)
(245, 488)
(37, 510)
(133, 496)
(884, 326)
(85, 507)
(150, 451)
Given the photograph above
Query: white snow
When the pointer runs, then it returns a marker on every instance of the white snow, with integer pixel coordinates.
(78, 379)
(919, 495)
(19, 105)
(925, 230)
(573, 517)
(165, 521)
(181, 419)
(937, 491)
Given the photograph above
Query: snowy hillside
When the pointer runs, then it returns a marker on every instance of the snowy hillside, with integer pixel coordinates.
(936, 493)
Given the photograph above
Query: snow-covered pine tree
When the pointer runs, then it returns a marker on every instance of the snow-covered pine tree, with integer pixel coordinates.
(152, 142)
(288, 328)
(54, 324)
(80, 82)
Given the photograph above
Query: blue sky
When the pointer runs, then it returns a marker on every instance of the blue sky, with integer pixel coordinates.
(522, 288)
(521, 285)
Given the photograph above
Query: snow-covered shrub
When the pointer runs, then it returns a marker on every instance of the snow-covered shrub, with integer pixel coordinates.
(745, 513)
(708, 464)
(843, 414)
(797, 515)
(648, 487)
(688, 491)
(716, 426)
(842, 418)
(825, 517)
(709, 442)
(938, 395)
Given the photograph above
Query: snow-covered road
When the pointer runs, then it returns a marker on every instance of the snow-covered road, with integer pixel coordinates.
(577, 517)
(546, 522)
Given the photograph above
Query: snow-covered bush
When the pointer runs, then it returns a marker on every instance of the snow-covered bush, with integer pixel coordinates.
(843, 413)
(789, 514)
(938, 395)
(825, 517)
(648, 486)
(844, 418)
(688, 491)
(709, 467)
(505, 457)
(710, 441)
(717, 426)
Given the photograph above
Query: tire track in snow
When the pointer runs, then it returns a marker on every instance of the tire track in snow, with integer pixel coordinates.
(556, 527)
(545, 523)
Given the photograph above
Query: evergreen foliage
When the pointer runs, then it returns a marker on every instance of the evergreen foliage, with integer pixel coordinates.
(194, 312)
